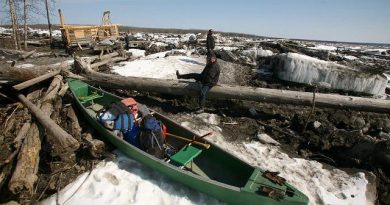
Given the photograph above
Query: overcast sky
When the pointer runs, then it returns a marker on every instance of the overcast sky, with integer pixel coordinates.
(336, 20)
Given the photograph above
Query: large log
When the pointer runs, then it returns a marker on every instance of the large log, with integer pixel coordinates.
(66, 141)
(36, 80)
(232, 92)
(104, 57)
(106, 61)
(23, 74)
(23, 176)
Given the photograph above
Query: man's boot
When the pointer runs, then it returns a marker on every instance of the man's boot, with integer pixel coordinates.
(177, 74)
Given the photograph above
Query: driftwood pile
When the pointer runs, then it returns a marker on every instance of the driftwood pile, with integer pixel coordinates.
(40, 123)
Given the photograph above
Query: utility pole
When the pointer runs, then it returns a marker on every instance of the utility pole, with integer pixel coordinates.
(13, 20)
(48, 22)
(25, 23)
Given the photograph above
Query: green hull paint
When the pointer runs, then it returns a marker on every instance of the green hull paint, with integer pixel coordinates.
(219, 174)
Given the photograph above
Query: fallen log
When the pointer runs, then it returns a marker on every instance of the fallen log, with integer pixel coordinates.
(104, 62)
(275, 96)
(36, 80)
(94, 146)
(104, 57)
(18, 141)
(9, 73)
(27, 55)
(66, 141)
(24, 175)
(74, 124)
(28, 150)
(49, 108)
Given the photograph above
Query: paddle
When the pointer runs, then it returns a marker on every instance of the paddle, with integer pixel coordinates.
(191, 141)
(201, 137)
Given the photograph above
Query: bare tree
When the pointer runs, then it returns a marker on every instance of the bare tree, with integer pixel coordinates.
(48, 21)
(25, 23)
(14, 22)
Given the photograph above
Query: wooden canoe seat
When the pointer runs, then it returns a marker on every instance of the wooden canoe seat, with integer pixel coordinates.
(185, 155)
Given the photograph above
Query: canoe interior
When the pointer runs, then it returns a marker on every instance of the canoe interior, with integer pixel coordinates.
(210, 163)
(213, 164)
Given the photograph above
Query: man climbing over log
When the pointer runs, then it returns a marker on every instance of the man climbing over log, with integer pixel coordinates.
(208, 78)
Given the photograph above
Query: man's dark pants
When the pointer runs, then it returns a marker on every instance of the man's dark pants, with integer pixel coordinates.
(203, 90)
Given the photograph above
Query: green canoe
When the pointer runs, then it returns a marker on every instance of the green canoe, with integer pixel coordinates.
(212, 171)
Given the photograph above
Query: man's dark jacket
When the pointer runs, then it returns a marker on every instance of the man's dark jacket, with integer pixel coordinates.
(210, 44)
(210, 74)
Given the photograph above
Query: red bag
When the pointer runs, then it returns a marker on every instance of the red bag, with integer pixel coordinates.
(132, 104)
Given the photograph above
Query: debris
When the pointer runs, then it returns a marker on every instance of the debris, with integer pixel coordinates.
(266, 139)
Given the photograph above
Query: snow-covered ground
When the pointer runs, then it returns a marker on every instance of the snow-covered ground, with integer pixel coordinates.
(125, 181)
(162, 67)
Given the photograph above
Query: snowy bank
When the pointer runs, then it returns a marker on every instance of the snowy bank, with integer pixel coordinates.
(304, 69)
(126, 181)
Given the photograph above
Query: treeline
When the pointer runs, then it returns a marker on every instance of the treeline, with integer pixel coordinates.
(181, 31)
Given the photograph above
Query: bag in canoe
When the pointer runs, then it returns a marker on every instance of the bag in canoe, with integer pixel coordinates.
(117, 116)
(152, 136)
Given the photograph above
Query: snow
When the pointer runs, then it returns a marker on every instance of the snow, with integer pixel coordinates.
(350, 57)
(188, 37)
(304, 69)
(324, 47)
(257, 52)
(159, 66)
(125, 181)
(137, 53)
(44, 32)
(5, 30)
(26, 65)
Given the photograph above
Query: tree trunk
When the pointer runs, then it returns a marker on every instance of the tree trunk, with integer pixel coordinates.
(36, 80)
(27, 157)
(25, 23)
(65, 141)
(16, 74)
(27, 55)
(106, 61)
(48, 22)
(13, 21)
(232, 92)
(24, 175)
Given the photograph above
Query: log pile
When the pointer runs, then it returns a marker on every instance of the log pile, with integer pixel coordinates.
(41, 124)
